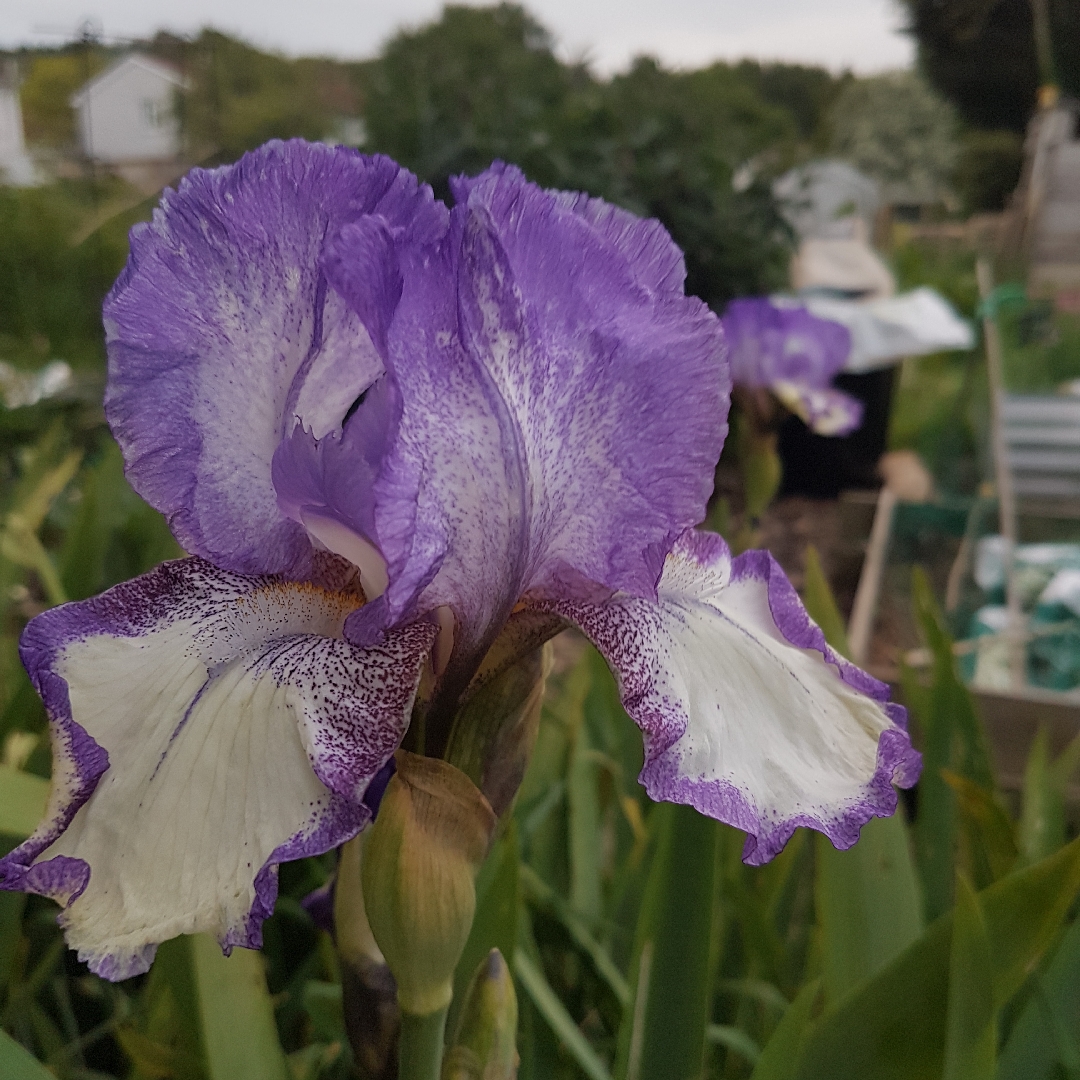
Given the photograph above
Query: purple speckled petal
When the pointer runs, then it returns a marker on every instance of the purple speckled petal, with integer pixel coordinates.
(616, 381)
(825, 411)
(747, 713)
(221, 333)
(768, 344)
(207, 727)
(564, 405)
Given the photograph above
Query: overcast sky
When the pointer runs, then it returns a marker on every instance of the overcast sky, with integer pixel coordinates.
(861, 34)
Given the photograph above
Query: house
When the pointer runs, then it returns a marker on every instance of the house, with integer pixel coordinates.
(127, 116)
(15, 165)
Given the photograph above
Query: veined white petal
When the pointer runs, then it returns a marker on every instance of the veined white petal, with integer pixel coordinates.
(241, 731)
(747, 714)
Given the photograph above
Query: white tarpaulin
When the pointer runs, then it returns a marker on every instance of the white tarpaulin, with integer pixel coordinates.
(884, 331)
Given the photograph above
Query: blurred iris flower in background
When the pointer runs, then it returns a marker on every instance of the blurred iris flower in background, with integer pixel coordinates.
(405, 444)
(796, 355)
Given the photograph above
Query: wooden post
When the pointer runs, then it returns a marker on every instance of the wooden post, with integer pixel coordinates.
(861, 623)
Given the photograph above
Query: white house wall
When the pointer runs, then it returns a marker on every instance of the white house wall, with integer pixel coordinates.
(129, 114)
(15, 164)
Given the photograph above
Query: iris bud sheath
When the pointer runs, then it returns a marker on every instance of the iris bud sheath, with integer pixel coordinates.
(419, 867)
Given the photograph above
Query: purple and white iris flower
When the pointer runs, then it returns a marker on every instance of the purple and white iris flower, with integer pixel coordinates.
(795, 355)
(392, 434)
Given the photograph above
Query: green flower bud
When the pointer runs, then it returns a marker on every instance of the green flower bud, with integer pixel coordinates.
(418, 871)
(485, 1048)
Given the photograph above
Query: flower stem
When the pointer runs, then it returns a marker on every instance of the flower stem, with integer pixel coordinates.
(420, 1051)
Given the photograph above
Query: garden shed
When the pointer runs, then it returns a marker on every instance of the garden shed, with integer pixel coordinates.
(128, 112)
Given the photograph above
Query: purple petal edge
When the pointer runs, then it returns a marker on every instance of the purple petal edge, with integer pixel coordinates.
(340, 822)
(62, 878)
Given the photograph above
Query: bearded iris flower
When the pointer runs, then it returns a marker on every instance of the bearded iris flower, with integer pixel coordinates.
(393, 435)
(795, 355)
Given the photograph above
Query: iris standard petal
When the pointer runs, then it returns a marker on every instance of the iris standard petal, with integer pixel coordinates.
(222, 333)
(207, 727)
(563, 407)
(747, 714)
(615, 380)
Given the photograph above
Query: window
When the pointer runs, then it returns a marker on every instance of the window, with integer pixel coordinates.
(155, 111)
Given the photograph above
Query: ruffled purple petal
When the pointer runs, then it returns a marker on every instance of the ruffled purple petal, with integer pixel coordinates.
(747, 713)
(222, 333)
(768, 343)
(207, 727)
(563, 407)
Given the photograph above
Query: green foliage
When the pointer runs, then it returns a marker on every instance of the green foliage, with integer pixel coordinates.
(240, 97)
(47, 89)
(478, 84)
(1040, 347)
(1042, 819)
(868, 904)
(495, 925)
(971, 1039)
(51, 289)
(807, 93)
(1044, 1039)
(895, 128)
(664, 1028)
(640, 944)
(22, 802)
(17, 1064)
(952, 739)
(780, 1058)
(821, 605)
(759, 464)
(897, 1025)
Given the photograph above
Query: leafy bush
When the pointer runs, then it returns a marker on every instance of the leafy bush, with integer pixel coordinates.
(51, 287)
(897, 129)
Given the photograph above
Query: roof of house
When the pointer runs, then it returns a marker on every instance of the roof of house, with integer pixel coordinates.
(115, 71)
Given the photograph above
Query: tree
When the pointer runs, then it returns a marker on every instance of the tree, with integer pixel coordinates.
(51, 80)
(239, 97)
(981, 55)
(807, 93)
(677, 139)
(895, 128)
(478, 84)
(485, 83)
